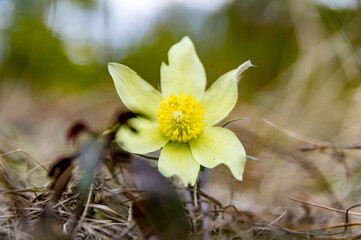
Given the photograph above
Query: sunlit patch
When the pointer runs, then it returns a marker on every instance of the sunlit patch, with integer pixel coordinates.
(180, 118)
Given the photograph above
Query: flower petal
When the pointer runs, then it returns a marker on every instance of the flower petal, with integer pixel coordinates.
(148, 137)
(177, 159)
(221, 97)
(185, 72)
(216, 145)
(138, 95)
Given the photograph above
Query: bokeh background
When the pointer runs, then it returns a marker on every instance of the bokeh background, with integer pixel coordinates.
(305, 90)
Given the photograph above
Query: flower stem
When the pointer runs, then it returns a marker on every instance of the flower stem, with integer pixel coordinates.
(195, 195)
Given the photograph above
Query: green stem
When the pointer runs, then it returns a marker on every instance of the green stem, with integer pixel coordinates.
(8, 225)
(195, 195)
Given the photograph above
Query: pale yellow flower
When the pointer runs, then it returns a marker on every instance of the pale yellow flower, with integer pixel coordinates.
(180, 118)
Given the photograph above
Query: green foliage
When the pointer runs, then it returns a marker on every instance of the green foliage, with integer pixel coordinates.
(258, 30)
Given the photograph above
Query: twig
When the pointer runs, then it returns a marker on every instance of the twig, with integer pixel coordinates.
(292, 134)
(346, 215)
(27, 154)
(313, 147)
(270, 224)
(13, 151)
(324, 207)
(106, 208)
(85, 209)
(66, 200)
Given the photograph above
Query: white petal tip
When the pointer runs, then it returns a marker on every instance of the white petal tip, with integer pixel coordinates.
(186, 38)
(111, 64)
(243, 68)
(185, 42)
(185, 182)
(238, 176)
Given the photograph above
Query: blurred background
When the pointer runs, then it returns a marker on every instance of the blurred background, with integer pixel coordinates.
(305, 90)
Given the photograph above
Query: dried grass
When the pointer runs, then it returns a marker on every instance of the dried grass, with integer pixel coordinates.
(106, 211)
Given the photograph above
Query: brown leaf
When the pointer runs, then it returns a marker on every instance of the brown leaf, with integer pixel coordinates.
(61, 182)
(60, 165)
(75, 130)
(61, 171)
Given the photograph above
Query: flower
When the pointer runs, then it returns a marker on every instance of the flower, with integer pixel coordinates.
(180, 118)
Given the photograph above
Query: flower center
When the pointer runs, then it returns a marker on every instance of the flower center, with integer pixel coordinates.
(180, 118)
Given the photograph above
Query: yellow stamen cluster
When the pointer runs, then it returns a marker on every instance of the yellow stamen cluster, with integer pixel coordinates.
(180, 118)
